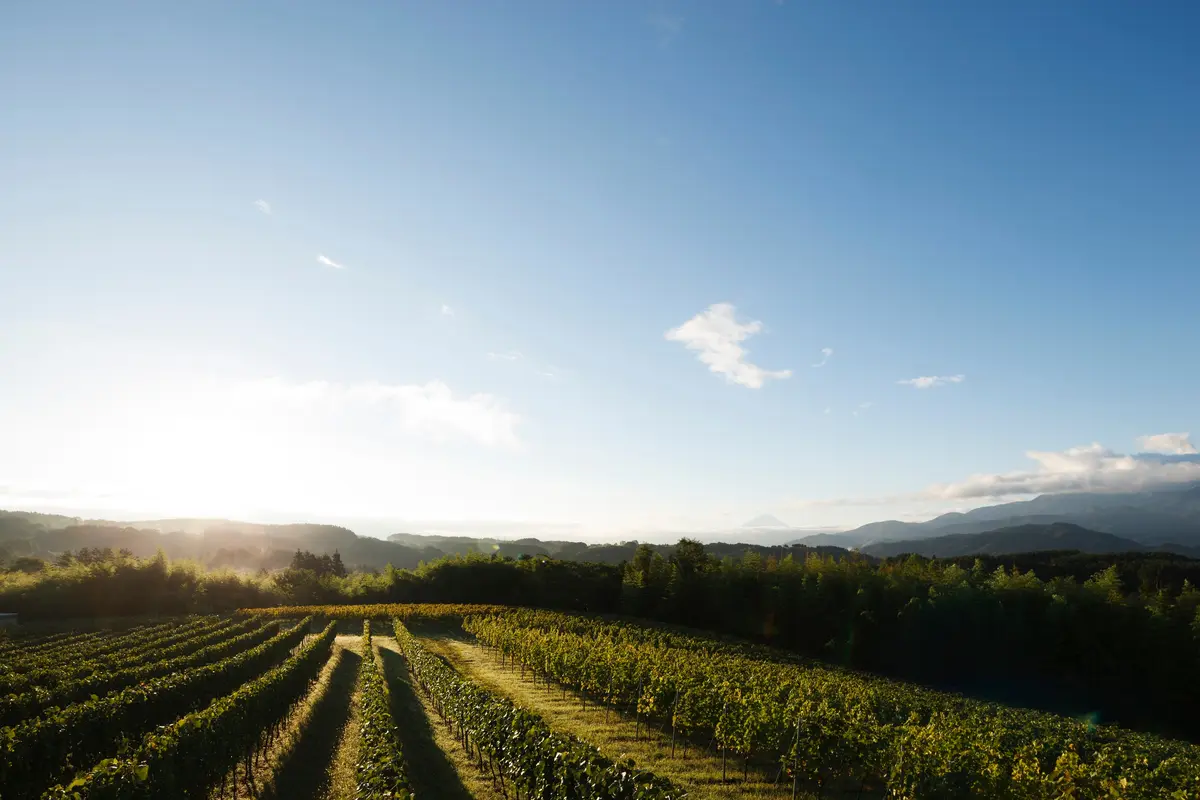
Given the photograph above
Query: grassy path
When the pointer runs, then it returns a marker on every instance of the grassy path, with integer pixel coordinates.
(699, 772)
(294, 766)
(339, 780)
(438, 766)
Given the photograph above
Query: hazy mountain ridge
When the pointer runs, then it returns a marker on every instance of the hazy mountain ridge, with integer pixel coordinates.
(253, 546)
(1161, 517)
(1020, 539)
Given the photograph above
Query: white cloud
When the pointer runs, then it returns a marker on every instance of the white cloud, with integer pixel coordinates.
(862, 408)
(932, 381)
(263, 206)
(329, 262)
(1177, 444)
(507, 355)
(714, 334)
(1089, 468)
(826, 354)
(828, 410)
(447, 311)
(431, 410)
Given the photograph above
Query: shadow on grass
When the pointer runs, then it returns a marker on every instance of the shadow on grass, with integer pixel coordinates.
(430, 772)
(304, 772)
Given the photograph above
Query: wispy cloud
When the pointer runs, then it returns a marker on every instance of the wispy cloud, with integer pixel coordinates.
(863, 408)
(447, 311)
(715, 335)
(826, 354)
(431, 410)
(263, 206)
(1087, 468)
(506, 355)
(329, 262)
(1176, 444)
(932, 381)
(667, 26)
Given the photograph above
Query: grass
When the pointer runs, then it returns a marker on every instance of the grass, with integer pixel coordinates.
(437, 765)
(340, 781)
(296, 766)
(700, 772)
(275, 773)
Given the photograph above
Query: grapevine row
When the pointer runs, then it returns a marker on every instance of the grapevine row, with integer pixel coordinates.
(517, 746)
(21, 643)
(381, 771)
(86, 649)
(438, 612)
(187, 758)
(44, 750)
(133, 649)
(66, 639)
(829, 726)
(204, 649)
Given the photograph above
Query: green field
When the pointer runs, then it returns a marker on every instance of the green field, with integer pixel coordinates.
(494, 702)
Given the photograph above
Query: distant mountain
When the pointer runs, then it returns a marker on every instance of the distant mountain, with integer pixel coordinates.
(1019, 539)
(1163, 516)
(766, 521)
(253, 546)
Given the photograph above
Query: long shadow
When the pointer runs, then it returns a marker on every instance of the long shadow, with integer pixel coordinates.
(304, 773)
(430, 772)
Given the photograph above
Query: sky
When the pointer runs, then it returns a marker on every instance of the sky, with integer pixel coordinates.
(619, 267)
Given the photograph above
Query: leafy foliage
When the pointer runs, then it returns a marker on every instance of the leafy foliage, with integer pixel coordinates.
(380, 770)
(210, 646)
(50, 747)
(827, 724)
(517, 747)
(409, 612)
(188, 757)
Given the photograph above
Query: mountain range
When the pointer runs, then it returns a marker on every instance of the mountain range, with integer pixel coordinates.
(1030, 538)
(217, 543)
(1162, 519)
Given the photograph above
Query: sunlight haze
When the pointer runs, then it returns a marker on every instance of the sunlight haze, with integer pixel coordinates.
(609, 269)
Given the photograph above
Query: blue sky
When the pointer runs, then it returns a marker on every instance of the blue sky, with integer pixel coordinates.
(515, 208)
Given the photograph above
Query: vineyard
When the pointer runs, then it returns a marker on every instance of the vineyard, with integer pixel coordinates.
(488, 702)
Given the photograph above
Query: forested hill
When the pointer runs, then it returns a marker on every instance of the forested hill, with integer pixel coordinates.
(1020, 539)
(218, 543)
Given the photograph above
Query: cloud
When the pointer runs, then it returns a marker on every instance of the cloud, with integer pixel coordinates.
(667, 26)
(932, 381)
(431, 410)
(1088, 468)
(447, 311)
(329, 262)
(715, 335)
(826, 354)
(263, 206)
(862, 408)
(507, 355)
(1177, 444)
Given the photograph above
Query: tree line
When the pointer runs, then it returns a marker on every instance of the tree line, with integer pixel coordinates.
(1113, 638)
